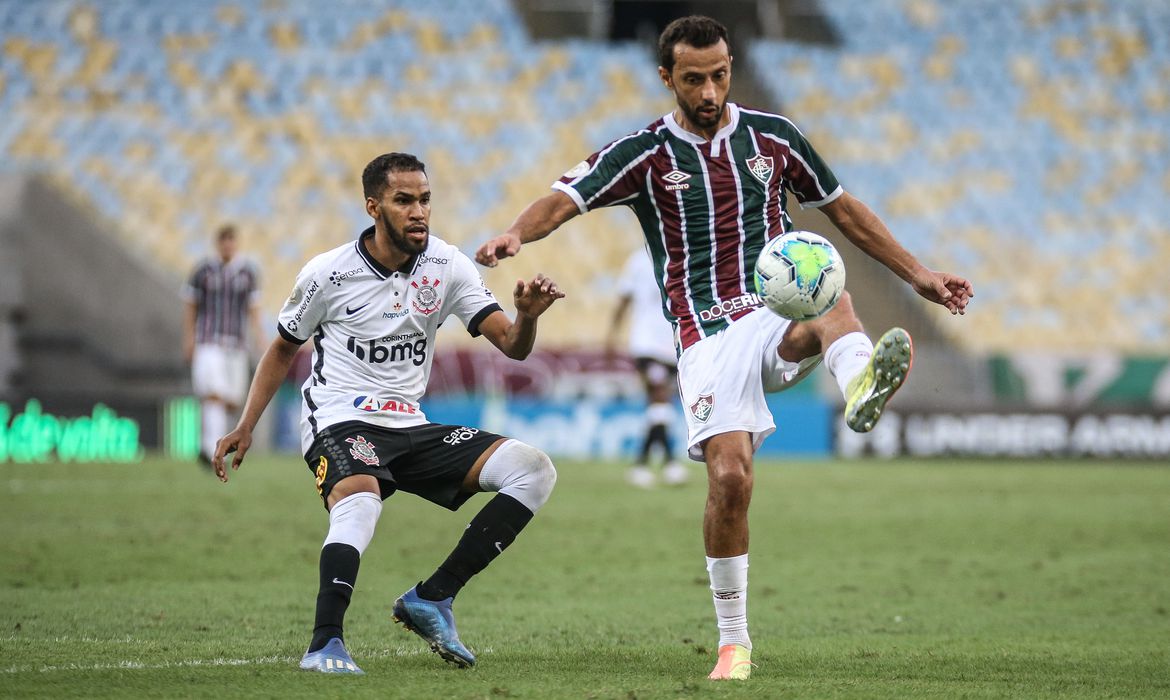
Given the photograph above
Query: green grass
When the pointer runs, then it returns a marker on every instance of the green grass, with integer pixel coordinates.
(868, 580)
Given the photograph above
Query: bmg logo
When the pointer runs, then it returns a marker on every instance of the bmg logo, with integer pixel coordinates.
(375, 353)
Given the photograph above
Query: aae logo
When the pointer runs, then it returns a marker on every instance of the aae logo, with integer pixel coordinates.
(373, 404)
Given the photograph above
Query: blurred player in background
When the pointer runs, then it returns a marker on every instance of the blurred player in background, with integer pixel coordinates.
(651, 345)
(221, 323)
(707, 183)
(372, 308)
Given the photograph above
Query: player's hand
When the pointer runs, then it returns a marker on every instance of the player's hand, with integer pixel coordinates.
(237, 441)
(943, 288)
(502, 246)
(533, 298)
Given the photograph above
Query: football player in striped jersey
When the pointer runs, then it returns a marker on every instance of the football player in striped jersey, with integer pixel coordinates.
(709, 183)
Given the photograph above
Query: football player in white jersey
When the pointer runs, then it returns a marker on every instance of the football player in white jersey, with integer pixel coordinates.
(372, 308)
(651, 345)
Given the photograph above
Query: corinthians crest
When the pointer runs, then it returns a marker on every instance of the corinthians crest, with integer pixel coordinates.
(426, 299)
(363, 450)
(761, 167)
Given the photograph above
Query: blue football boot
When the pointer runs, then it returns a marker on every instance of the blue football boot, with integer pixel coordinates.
(331, 658)
(435, 623)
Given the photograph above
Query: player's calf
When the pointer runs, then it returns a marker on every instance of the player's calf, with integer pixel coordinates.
(523, 478)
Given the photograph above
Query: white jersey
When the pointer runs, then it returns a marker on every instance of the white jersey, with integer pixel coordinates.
(651, 335)
(373, 330)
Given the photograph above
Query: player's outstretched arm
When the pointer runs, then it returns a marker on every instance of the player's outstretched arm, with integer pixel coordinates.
(516, 338)
(865, 230)
(270, 373)
(538, 219)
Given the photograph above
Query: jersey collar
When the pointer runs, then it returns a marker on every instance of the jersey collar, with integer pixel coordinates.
(378, 268)
(720, 136)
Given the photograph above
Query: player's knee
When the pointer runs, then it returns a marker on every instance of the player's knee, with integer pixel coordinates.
(732, 484)
(520, 471)
(352, 520)
(730, 481)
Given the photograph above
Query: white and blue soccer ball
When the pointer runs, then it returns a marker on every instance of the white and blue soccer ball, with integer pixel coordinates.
(800, 275)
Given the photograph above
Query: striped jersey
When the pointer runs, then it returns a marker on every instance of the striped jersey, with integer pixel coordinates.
(706, 207)
(222, 293)
(373, 330)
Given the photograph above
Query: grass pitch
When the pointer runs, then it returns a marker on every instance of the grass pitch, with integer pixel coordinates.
(868, 580)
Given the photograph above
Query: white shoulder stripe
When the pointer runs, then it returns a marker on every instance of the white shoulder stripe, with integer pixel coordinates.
(816, 180)
(601, 155)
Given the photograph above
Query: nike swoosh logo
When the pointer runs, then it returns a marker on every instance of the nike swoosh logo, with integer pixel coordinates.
(337, 580)
(499, 548)
(350, 311)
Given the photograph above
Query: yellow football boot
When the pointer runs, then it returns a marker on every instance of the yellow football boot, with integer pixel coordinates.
(893, 354)
(735, 664)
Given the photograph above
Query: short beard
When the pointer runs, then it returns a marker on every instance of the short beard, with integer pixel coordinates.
(399, 240)
(701, 121)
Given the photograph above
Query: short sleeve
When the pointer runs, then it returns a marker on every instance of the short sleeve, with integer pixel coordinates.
(807, 174)
(254, 279)
(194, 284)
(614, 175)
(304, 309)
(469, 299)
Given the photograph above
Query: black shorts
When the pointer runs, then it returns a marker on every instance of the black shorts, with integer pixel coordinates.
(429, 460)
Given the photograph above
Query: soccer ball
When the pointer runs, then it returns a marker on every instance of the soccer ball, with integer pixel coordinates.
(800, 275)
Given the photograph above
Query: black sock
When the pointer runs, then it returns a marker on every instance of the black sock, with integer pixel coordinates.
(339, 568)
(647, 443)
(489, 534)
(659, 435)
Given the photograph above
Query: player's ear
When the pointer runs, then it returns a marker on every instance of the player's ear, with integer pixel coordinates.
(372, 207)
(665, 76)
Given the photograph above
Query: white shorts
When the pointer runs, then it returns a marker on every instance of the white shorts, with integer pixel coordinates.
(723, 379)
(221, 372)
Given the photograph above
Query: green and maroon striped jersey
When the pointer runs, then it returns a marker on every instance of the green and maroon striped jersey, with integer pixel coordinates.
(706, 207)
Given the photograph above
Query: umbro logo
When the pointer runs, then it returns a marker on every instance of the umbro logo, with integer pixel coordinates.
(677, 180)
(351, 312)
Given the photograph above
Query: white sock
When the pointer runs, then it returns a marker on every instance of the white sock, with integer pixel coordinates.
(520, 471)
(846, 357)
(352, 520)
(215, 421)
(729, 591)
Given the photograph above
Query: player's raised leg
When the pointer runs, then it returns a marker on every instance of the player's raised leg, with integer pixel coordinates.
(725, 536)
(355, 504)
(523, 478)
(867, 375)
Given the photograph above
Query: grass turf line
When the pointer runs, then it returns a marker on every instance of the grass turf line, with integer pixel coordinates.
(902, 579)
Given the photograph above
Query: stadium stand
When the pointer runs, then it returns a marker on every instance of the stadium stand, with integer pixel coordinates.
(1022, 143)
(167, 119)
